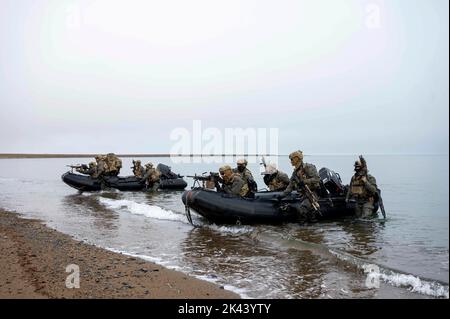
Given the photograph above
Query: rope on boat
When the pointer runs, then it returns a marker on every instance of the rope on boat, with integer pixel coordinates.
(188, 214)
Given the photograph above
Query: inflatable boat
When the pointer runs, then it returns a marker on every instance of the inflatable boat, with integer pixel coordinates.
(84, 183)
(267, 207)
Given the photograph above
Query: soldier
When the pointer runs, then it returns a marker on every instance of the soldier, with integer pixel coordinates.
(304, 175)
(232, 182)
(362, 190)
(276, 180)
(114, 164)
(151, 177)
(246, 175)
(101, 166)
(91, 170)
(138, 169)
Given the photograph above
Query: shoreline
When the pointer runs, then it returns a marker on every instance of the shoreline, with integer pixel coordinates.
(35, 258)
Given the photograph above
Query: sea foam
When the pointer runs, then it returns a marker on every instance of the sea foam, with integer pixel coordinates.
(146, 210)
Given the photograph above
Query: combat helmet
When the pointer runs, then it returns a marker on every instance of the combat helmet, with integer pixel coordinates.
(224, 168)
(298, 154)
(270, 170)
(242, 161)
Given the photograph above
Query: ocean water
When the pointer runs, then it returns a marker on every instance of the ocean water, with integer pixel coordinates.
(407, 254)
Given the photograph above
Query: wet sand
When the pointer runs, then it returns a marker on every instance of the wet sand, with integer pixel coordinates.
(34, 259)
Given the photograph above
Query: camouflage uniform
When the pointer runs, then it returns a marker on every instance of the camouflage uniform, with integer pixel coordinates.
(101, 166)
(307, 174)
(246, 175)
(277, 182)
(91, 170)
(138, 169)
(114, 164)
(362, 190)
(235, 185)
(151, 177)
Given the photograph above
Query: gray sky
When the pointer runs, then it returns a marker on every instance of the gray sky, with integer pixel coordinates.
(332, 75)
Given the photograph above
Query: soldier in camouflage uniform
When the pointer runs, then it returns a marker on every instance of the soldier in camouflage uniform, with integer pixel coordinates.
(138, 169)
(151, 177)
(304, 174)
(114, 164)
(101, 166)
(276, 180)
(362, 190)
(246, 175)
(91, 170)
(232, 183)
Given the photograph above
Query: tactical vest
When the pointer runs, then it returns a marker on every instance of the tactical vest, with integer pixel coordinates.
(102, 166)
(301, 173)
(244, 190)
(357, 189)
(138, 171)
(154, 175)
(229, 186)
(244, 174)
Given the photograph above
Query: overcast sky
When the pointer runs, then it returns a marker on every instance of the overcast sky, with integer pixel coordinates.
(335, 76)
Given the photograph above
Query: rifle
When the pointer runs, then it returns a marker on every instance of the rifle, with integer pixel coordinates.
(84, 166)
(363, 163)
(212, 177)
(263, 162)
(380, 203)
(310, 195)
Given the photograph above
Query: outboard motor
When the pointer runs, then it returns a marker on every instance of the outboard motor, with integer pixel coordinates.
(332, 181)
(166, 172)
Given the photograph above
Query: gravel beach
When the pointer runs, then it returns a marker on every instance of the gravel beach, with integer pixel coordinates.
(35, 257)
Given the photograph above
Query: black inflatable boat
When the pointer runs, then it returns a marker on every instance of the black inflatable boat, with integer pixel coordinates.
(168, 181)
(266, 207)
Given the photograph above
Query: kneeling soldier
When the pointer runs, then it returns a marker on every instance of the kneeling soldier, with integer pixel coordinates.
(232, 182)
(276, 180)
(91, 170)
(138, 169)
(246, 175)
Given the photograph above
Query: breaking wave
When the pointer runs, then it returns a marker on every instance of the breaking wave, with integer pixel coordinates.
(146, 210)
(235, 230)
(390, 276)
(396, 278)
